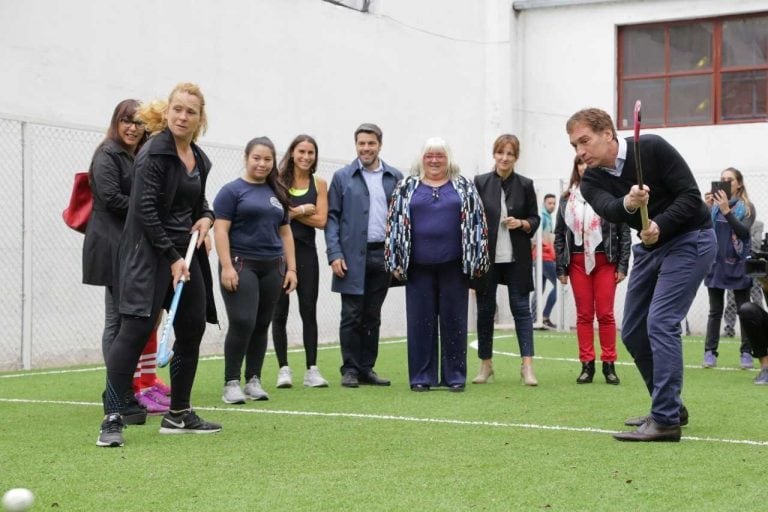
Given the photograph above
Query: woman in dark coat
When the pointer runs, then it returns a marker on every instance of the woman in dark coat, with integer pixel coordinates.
(513, 218)
(111, 176)
(167, 204)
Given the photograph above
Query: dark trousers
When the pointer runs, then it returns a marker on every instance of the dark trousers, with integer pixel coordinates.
(548, 273)
(662, 285)
(754, 321)
(308, 274)
(361, 317)
(188, 327)
(716, 306)
(486, 310)
(249, 310)
(436, 299)
(112, 321)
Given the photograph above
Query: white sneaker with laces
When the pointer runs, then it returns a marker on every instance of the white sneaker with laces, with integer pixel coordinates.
(284, 377)
(254, 391)
(313, 379)
(232, 393)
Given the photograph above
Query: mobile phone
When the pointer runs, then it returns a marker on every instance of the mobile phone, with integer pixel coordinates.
(725, 186)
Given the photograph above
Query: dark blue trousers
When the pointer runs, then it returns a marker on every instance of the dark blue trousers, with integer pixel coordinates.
(436, 299)
(662, 285)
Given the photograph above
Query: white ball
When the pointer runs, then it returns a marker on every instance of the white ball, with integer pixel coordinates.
(18, 500)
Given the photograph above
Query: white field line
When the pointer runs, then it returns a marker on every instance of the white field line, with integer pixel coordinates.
(472, 344)
(389, 417)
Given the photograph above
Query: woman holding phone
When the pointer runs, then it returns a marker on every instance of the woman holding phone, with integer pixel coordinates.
(733, 215)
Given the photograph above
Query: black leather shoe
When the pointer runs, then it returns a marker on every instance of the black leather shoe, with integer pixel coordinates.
(650, 432)
(372, 379)
(609, 371)
(419, 387)
(456, 388)
(349, 380)
(639, 420)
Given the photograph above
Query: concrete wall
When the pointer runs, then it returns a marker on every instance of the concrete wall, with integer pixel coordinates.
(270, 67)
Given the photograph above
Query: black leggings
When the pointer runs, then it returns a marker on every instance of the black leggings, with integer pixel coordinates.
(188, 327)
(308, 274)
(249, 310)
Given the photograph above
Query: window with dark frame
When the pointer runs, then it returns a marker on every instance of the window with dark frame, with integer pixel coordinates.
(695, 72)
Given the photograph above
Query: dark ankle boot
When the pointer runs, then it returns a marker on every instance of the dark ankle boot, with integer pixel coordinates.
(609, 370)
(587, 373)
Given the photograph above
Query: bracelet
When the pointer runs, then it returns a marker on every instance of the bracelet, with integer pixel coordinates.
(302, 210)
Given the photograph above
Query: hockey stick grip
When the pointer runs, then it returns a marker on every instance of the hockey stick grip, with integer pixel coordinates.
(638, 163)
(164, 354)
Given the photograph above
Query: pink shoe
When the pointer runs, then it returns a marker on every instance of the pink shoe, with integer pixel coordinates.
(157, 397)
(162, 387)
(152, 407)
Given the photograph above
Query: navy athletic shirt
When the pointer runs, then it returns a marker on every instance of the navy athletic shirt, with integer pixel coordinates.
(256, 214)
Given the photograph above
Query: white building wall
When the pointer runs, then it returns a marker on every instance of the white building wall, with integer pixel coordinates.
(568, 58)
(273, 67)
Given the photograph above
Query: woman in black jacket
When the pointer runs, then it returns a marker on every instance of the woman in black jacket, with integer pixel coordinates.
(167, 204)
(510, 228)
(110, 176)
(594, 253)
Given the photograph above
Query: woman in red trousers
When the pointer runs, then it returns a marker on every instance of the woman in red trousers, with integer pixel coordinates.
(594, 254)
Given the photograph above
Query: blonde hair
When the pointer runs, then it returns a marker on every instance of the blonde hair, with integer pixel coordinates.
(154, 113)
(742, 193)
(436, 144)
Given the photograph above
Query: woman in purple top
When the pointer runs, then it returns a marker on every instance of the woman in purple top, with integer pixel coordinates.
(436, 240)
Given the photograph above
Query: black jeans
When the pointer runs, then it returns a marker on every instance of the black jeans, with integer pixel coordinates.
(188, 327)
(308, 274)
(361, 317)
(754, 321)
(249, 310)
(716, 314)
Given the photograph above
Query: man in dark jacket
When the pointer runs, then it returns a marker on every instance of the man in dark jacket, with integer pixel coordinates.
(677, 250)
(358, 200)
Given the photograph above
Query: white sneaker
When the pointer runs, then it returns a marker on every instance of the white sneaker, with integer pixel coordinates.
(313, 379)
(232, 393)
(254, 391)
(285, 377)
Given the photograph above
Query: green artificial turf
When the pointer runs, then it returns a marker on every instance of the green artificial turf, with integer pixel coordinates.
(500, 446)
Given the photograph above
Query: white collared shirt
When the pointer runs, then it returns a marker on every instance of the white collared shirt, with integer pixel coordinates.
(621, 157)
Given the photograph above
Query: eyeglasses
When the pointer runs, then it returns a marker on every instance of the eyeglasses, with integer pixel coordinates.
(435, 193)
(136, 122)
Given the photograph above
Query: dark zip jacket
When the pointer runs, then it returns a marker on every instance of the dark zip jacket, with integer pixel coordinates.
(145, 244)
(616, 242)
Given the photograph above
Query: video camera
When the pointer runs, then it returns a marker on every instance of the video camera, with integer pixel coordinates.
(757, 262)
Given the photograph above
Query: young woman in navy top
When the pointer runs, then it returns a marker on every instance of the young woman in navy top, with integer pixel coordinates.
(257, 264)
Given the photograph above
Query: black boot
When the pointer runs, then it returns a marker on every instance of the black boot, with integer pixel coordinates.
(609, 370)
(587, 373)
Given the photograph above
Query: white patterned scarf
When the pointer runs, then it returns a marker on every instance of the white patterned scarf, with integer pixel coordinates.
(586, 225)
